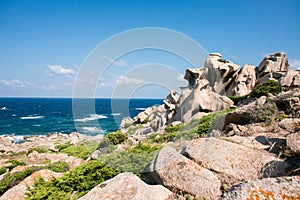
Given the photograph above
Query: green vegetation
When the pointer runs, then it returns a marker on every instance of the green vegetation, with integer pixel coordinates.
(10, 180)
(72, 184)
(133, 129)
(37, 149)
(82, 151)
(196, 128)
(116, 137)
(3, 170)
(264, 89)
(59, 166)
(237, 99)
(14, 163)
(133, 159)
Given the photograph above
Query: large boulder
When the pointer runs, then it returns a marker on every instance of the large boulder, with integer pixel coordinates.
(290, 124)
(267, 188)
(293, 142)
(127, 186)
(244, 82)
(220, 73)
(178, 173)
(234, 162)
(18, 192)
(273, 66)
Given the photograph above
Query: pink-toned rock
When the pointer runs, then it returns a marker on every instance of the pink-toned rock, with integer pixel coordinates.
(18, 192)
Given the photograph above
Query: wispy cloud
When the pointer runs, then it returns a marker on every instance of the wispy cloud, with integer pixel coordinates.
(127, 80)
(59, 70)
(15, 83)
(119, 63)
(295, 64)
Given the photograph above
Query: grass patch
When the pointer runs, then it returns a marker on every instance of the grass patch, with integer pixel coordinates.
(37, 149)
(133, 159)
(3, 170)
(14, 163)
(76, 182)
(82, 151)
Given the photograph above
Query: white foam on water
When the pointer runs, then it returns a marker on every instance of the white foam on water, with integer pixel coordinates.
(92, 117)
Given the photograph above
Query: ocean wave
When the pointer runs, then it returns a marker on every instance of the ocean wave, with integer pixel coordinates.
(32, 117)
(140, 108)
(115, 114)
(92, 117)
(4, 108)
(92, 130)
(36, 125)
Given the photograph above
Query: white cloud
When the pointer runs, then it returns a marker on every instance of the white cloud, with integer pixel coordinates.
(127, 80)
(295, 64)
(15, 83)
(59, 70)
(119, 63)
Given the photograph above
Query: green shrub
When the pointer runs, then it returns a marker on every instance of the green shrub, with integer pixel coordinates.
(3, 170)
(59, 166)
(133, 159)
(133, 129)
(82, 151)
(171, 129)
(116, 137)
(10, 180)
(237, 99)
(15, 163)
(78, 181)
(264, 89)
(37, 149)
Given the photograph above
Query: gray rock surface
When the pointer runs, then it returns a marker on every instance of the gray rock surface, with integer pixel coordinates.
(245, 81)
(234, 162)
(178, 173)
(127, 186)
(290, 124)
(267, 188)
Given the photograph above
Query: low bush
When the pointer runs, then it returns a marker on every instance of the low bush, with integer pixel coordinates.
(237, 99)
(82, 151)
(59, 166)
(10, 180)
(271, 86)
(74, 183)
(3, 170)
(15, 163)
(116, 137)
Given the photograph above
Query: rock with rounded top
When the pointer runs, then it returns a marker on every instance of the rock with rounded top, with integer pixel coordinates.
(234, 162)
(178, 173)
(267, 188)
(18, 192)
(293, 142)
(245, 81)
(127, 186)
(290, 124)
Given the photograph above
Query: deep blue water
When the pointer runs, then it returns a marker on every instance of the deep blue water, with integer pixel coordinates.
(40, 116)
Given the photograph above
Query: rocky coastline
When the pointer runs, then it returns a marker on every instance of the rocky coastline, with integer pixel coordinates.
(232, 133)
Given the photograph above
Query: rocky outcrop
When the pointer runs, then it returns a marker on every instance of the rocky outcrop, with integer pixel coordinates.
(178, 173)
(234, 162)
(273, 66)
(290, 124)
(267, 188)
(127, 186)
(244, 82)
(18, 192)
(290, 80)
(220, 73)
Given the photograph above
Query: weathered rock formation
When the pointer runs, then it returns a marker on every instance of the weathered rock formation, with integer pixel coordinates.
(127, 186)
(178, 173)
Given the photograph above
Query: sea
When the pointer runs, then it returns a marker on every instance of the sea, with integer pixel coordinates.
(41, 116)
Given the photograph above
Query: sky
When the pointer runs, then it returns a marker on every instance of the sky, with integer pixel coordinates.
(44, 44)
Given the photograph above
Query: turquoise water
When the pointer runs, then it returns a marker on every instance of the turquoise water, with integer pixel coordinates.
(40, 116)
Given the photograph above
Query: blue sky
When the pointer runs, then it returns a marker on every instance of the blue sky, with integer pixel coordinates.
(44, 43)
